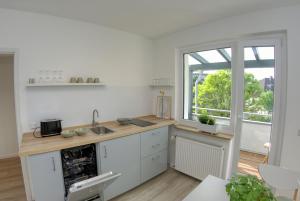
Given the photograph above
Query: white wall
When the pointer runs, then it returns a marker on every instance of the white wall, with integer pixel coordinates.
(122, 60)
(8, 131)
(264, 21)
(254, 136)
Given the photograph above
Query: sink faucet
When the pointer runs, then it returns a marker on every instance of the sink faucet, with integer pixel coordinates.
(95, 111)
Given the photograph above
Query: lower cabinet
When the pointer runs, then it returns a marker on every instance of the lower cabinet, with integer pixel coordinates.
(137, 157)
(153, 165)
(121, 155)
(46, 177)
(154, 146)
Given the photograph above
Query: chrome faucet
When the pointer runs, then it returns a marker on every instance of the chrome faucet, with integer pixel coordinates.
(94, 123)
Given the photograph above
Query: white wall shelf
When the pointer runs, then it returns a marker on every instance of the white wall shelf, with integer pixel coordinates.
(161, 85)
(64, 84)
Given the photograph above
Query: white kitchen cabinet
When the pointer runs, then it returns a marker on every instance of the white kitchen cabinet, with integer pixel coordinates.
(46, 177)
(153, 165)
(121, 155)
(154, 140)
(154, 146)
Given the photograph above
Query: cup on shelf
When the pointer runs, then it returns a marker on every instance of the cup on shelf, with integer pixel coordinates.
(90, 80)
(97, 80)
(31, 80)
(73, 80)
(80, 80)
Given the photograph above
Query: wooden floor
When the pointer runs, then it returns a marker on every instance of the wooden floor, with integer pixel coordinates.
(11, 180)
(169, 186)
(248, 163)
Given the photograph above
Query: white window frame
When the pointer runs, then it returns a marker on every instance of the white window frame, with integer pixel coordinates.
(237, 66)
(179, 86)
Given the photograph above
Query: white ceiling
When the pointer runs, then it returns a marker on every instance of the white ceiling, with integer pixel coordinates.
(150, 18)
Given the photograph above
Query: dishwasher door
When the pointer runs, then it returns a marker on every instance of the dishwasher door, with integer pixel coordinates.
(91, 188)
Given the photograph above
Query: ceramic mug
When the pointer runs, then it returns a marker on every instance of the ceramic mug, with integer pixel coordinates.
(97, 80)
(90, 80)
(80, 80)
(73, 80)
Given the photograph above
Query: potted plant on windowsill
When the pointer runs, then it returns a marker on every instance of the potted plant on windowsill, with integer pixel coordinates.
(248, 188)
(208, 123)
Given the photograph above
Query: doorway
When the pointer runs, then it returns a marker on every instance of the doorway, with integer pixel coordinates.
(10, 164)
(8, 133)
(258, 120)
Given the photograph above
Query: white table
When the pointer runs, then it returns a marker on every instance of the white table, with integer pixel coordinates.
(210, 189)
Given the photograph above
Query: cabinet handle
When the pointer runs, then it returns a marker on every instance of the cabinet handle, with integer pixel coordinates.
(105, 152)
(53, 164)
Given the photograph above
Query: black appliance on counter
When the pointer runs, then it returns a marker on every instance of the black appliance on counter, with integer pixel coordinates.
(50, 127)
(79, 163)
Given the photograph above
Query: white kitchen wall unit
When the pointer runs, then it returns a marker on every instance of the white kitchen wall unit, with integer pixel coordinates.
(198, 159)
(63, 84)
(154, 145)
(120, 155)
(46, 177)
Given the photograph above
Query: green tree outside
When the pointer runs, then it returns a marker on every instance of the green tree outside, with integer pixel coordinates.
(215, 93)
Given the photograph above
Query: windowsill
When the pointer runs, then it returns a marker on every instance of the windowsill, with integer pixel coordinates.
(224, 136)
(218, 128)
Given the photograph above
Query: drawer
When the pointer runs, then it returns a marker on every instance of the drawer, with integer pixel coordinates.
(154, 141)
(153, 165)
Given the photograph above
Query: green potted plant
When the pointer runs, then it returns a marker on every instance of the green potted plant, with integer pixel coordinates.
(248, 188)
(208, 123)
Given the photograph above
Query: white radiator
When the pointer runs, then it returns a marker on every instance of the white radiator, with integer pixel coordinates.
(198, 159)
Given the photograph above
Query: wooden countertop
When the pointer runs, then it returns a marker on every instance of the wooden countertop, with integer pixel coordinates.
(31, 145)
(196, 131)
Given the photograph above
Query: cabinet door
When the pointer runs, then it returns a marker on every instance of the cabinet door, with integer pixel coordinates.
(46, 177)
(154, 165)
(121, 156)
(154, 140)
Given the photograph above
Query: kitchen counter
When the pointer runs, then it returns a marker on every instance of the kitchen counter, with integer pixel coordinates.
(31, 145)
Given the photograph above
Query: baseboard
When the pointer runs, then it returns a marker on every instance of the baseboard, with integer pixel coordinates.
(8, 156)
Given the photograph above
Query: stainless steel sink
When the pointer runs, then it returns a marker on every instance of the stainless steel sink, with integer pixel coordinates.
(141, 123)
(101, 130)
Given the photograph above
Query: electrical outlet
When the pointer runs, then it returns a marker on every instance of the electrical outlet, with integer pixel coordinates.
(298, 133)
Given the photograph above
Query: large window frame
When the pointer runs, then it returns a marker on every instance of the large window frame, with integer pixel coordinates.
(179, 95)
(278, 39)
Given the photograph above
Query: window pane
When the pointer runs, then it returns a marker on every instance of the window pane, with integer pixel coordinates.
(207, 87)
(228, 51)
(249, 54)
(212, 56)
(259, 86)
(192, 60)
(265, 52)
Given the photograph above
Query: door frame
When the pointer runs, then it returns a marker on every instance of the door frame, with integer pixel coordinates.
(280, 90)
(17, 93)
(15, 53)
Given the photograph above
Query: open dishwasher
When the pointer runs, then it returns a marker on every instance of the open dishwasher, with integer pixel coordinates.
(81, 179)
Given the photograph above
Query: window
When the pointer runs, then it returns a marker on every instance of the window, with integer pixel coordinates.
(207, 84)
(259, 81)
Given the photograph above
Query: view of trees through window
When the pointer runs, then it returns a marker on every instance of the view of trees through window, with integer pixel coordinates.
(212, 84)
